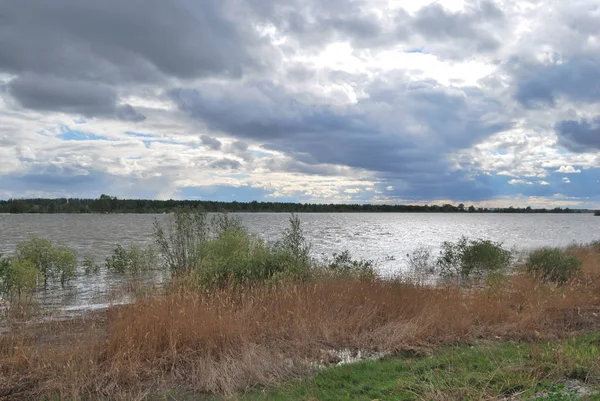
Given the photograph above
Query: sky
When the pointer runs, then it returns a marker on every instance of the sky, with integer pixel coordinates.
(490, 103)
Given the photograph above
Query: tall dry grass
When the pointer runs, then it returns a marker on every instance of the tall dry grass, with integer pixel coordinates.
(238, 339)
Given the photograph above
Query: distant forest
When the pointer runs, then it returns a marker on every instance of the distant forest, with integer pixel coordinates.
(110, 204)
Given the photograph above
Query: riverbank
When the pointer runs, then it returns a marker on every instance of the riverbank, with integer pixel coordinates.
(484, 370)
(234, 340)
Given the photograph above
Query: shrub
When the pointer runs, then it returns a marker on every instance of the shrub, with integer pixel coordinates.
(180, 241)
(17, 277)
(420, 262)
(467, 258)
(132, 260)
(553, 265)
(230, 255)
(295, 243)
(343, 264)
(52, 261)
(234, 256)
(90, 266)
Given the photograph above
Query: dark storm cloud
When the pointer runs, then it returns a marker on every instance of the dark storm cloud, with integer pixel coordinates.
(579, 136)
(70, 96)
(77, 56)
(371, 134)
(540, 84)
(211, 142)
(127, 40)
(469, 28)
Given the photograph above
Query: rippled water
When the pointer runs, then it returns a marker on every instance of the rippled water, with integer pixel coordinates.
(385, 238)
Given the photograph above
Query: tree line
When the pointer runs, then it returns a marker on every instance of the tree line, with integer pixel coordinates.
(111, 204)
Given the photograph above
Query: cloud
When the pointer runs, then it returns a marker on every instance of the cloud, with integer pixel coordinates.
(212, 143)
(239, 146)
(541, 83)
(70, 96)
(519, 182)
(568, 170)
(364, 135)
(566, 180)
(226, 164)
(579, 136)
(468, 31)
(122, 42)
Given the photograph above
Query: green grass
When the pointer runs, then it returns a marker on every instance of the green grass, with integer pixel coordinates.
(484, 371)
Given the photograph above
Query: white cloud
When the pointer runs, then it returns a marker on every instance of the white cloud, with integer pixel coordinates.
(566, 180)
(543, 183)
(568, 170)
(519, 182)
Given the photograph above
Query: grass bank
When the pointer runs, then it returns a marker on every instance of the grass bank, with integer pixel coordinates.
(551, 371)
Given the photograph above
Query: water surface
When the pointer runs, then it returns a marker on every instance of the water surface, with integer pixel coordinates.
(384, 238)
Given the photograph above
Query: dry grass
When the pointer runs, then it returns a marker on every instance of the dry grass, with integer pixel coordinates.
(229, 340)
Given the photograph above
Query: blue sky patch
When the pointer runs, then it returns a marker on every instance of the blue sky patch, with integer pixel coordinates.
(139, 134)
(68, 134)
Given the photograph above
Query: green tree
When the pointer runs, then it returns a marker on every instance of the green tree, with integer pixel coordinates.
(17, 277)
(52, 262)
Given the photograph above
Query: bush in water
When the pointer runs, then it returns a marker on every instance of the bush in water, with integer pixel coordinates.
(132, 260)
(467, 258)
(52, 261)
(179, 242)
(553, 264)
(17, 278)
(344, 264)
(231, 255)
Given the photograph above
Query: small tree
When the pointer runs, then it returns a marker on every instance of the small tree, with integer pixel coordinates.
(295, 243)
(52, 262)
(179, 243)
(17, 277)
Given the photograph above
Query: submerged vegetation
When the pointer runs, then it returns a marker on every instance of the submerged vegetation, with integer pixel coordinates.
(36, 262)
(241, 315)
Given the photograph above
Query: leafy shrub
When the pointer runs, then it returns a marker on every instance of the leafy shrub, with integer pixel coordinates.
(295, 243)
(420, 261)
(343, 264)
(132, 260)
(225, 223)
(179, 242)
(234, 256)
(17, 277)
(52, 261)
(90, 266)
(229, 254)
(467, 258)
(553, 265)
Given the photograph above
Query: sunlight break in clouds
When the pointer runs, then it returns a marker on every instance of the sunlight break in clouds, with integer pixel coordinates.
(487, 102)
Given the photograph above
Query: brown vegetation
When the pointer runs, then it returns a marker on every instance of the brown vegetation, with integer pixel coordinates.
(238, 339)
